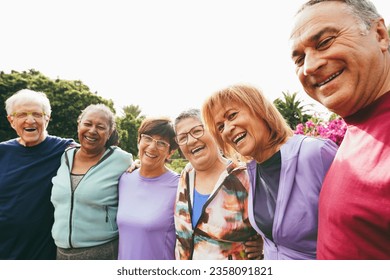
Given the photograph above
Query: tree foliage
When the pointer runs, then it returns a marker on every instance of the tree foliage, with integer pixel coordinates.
(292, 109)
(67, 98)
(128, 126)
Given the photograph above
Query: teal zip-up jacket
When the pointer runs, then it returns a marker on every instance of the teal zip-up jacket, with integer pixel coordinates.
(86, 216)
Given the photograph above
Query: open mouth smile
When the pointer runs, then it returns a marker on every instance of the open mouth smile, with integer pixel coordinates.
(90, 139)
(197, 149)
(239, 137)
(30, 129)
(329, 79)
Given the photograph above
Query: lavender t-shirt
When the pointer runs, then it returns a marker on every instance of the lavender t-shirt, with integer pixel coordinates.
(145, 216)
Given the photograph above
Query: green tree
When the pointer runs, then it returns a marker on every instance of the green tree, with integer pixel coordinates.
(292, 109)
(133, 110)
(67, 99)
(128, 125)
(177, 164)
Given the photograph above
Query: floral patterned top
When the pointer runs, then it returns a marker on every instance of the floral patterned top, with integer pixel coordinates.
(223, 226)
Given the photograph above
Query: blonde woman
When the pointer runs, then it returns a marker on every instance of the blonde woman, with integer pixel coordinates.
(286, 171)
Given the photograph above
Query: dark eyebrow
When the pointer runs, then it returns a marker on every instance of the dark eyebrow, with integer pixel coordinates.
(317, 36)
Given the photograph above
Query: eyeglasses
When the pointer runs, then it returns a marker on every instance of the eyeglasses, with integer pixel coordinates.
(24, 115)
(196, 132)
(160, 144)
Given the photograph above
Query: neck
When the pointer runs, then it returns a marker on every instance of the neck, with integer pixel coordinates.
(263, 155)
(152, 172)
(206, 179)
(215, 168)
(85, 156)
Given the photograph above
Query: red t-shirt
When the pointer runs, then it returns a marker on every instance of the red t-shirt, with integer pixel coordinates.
(354, 206)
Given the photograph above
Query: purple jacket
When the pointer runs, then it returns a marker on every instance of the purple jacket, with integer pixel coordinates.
(305, 162)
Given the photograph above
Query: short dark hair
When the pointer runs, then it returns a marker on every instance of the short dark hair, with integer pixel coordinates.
(162, 126)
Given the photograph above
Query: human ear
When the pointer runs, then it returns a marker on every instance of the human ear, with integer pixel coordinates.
(47, 118)
(11, 121)
(382, 35)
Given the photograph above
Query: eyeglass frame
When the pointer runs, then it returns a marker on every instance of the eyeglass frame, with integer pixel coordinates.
(146, 136)
(14, 114)
(190, 133)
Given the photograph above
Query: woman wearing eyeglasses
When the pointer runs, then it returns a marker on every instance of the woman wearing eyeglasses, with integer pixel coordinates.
(147, 197)
(211, 216)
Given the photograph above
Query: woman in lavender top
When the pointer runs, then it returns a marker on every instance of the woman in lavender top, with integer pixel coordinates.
(147, 197)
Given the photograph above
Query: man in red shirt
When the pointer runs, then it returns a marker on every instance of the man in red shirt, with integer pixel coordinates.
(342, 56)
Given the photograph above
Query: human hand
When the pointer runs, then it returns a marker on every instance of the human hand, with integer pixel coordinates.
(254, 248)
(135, 165)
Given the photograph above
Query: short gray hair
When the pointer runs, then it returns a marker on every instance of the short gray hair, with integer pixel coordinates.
(187, 114)
(25, 96)
(363, 10)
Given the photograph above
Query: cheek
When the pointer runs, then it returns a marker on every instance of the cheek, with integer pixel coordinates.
(184, 150)
(140, 149)
(301, 76)
(224, 137)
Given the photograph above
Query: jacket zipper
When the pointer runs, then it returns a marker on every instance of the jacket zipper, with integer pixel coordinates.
(190, 211)
(203, 210)
(70, 219)
(72, 191)
(71, 203)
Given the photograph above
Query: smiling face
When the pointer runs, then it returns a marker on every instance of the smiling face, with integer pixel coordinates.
(31, 131)
(338, 62)
(239, 128)
(153, 156)
(93, 132)
(202, 152)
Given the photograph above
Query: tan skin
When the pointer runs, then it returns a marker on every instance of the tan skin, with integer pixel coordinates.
(152, 159)
(340, 63)
(93, 132)
(248, 138)
(207, 177)
(31, 131)
(209, 164)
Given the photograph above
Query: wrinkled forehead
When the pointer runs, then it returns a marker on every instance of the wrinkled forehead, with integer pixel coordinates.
(24, 104)
(314, 21)
(319, 14)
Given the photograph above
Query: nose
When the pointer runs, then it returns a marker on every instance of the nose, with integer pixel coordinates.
(93, 129)
(30, 118)
(153, 144)
(190, 138)
(312, 62)
(228, 128)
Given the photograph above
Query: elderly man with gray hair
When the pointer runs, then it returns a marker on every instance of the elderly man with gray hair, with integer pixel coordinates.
(341, 53)
(27, 165)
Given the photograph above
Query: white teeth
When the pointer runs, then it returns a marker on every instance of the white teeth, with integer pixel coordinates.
(329, 79)
(238, 137)
(90, 139)
(149, 155)
(197, 149)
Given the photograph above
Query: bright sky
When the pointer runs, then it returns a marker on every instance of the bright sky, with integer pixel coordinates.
(164, 56)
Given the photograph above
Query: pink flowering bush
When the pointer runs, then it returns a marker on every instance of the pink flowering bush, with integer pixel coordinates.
(334, 129)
